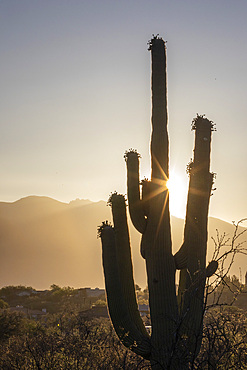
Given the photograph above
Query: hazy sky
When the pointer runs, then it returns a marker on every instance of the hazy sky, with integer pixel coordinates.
(75, 94)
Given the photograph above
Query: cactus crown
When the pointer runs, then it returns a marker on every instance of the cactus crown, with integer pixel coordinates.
(200, 120)
(116, 198)
(131, 152)
(153, 40)
(102, 227)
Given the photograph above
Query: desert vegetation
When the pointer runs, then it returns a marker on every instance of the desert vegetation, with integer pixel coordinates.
(70, 340)
(67, 336)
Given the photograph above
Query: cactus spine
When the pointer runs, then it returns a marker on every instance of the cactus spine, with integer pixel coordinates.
(176, 320)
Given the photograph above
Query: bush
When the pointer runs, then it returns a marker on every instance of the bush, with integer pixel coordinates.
(68, 341)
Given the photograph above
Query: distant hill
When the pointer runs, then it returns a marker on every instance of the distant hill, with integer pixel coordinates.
(44, 241)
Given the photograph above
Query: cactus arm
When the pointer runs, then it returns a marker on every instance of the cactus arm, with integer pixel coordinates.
(136, 208)
(146, 199)
(145, 195)
(195, 236)
(198, 199)
(195, 231)
(124, 259)
(118, 308)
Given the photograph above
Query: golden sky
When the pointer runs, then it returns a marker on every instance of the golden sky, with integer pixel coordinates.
(75, 94)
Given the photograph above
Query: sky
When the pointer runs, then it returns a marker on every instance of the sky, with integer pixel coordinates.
(75, 94)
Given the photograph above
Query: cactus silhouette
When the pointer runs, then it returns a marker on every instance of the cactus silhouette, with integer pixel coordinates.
(176, 319)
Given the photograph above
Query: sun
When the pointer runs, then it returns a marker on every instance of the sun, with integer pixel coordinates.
(177, 186)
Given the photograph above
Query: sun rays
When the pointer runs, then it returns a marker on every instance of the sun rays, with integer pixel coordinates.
(177, 186)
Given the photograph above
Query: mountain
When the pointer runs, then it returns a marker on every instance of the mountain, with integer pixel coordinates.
(44, 241)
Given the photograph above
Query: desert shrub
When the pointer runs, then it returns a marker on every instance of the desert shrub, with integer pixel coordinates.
(224, 344)
(68, 342)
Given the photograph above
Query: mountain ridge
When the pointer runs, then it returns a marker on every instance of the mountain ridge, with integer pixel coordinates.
(45, 241)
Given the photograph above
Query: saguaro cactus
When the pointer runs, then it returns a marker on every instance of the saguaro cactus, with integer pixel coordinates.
(176, 319)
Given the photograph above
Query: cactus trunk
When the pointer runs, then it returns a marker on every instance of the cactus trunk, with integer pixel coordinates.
(176, 320)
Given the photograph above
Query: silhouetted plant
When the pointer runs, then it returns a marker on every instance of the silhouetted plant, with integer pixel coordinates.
(176, 321)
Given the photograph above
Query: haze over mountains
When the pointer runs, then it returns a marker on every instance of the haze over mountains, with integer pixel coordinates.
(44, 241)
